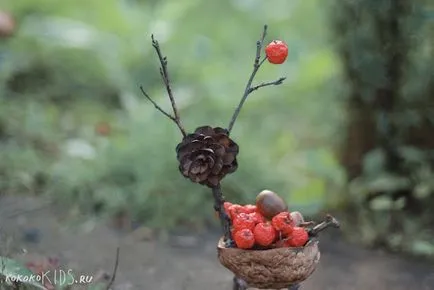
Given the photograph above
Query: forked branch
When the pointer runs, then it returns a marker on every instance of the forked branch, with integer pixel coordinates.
(165, 76)
(249, 89)
(329, 221)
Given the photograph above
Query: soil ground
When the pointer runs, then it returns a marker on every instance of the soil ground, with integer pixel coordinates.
(186, 261)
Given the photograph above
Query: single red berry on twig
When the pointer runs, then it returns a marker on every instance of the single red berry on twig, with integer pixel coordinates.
(244, 239)
(264, 234)
(243, 221)
(276, 52)
(298, 237)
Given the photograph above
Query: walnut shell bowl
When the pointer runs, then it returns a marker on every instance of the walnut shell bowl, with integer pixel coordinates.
(271, 269)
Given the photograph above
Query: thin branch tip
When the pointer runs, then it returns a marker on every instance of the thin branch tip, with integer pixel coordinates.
(273, 83)
(280, 81)
(264, 33)
(113, 277)
(249, 89)
(329, 221)
(165, 76)
(333, 221)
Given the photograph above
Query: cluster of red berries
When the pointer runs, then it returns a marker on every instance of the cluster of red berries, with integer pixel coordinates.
(250, 228)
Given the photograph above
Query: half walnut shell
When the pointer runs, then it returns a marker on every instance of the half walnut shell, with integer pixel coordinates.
(271, 269)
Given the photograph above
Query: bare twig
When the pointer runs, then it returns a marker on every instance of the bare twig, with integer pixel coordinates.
(306, 224)
(274, 83)
(115, 269)
(329, 221)
(157, 106)
(249, 89)
(224, 218)
(165, 76)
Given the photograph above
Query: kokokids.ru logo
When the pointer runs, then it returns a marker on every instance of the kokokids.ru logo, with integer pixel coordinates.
(51, 277)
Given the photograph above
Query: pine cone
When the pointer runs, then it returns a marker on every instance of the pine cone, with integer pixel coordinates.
(207, 155)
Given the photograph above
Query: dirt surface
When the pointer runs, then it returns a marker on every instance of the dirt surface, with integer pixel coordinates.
(185, 262)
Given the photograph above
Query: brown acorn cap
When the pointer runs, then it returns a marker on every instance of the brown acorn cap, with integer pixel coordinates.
(271, 269)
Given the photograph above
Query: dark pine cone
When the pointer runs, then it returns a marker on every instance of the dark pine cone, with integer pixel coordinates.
(207, 155)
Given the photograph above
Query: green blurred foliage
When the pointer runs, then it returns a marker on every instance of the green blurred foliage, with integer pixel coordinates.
(74, 64)
(392, 207)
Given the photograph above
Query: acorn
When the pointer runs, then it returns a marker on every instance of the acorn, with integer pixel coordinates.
(270, 204)
(297, 217)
